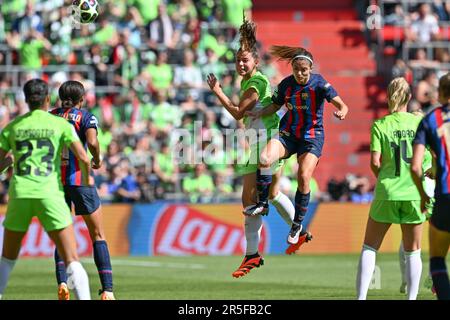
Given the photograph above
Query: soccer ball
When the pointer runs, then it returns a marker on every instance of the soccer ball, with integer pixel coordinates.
(88, 10)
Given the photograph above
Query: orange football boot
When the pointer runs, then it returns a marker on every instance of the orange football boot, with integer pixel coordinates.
(247, 265)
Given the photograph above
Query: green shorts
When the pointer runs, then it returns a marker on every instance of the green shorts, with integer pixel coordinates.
(398, 212)
(251, 166)
(53, 213)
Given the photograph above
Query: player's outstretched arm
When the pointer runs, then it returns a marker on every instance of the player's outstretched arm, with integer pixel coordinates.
(267, 111)
(247, 102)
(94, 147)
(341, 106)
(77, 148)
(417, 173)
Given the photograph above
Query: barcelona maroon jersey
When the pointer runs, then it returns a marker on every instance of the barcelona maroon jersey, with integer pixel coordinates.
(82, 120)
(434, 130)
(304, 116)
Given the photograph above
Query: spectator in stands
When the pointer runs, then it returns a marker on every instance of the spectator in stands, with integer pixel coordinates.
(442, 9)
(189, 35)
(132, 23)
(161, 30)
(426, 90)
(200, 186)
(113, 155)
(128, 189)
(223, 187)
(181, 11)
(400, 69)
(159, 75)
(28, 22)
(166, 168)
(188, 77)
(397, 17)
(425, 27)
(2, 29)
(30, 48)
(360, 190)
(148, 10)
(232, 11)
(164, 115)
(140, 157)
(421, 60)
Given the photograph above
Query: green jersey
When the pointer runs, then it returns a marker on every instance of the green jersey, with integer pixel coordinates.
(36, 140)
(393, 136)
(261, 85)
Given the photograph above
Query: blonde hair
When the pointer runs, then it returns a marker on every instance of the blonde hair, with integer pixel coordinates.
(399, 94)
(285, 53)
(444, 86)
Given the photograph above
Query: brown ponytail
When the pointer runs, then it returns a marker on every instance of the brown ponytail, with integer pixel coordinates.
(247, 40)
(285, 53)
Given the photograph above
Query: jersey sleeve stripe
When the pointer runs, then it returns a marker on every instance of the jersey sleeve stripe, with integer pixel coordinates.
(289, 122)
(312, 96)
(300, 113)
(445, 153)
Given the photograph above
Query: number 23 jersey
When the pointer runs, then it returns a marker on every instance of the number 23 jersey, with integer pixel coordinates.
(392, 136)
(36, 140)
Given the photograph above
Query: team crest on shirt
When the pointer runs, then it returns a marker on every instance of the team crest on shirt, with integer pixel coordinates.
(304, 96)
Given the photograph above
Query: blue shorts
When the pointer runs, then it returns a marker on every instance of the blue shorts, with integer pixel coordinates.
(441, 213)
(84, 198)
(301, 146)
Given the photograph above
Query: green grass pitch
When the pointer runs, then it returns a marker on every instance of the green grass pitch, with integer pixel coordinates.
(300, 277)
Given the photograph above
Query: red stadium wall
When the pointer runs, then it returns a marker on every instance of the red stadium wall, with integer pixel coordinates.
(334, 35)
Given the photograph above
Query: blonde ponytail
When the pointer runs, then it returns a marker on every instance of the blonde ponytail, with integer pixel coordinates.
(399, 94)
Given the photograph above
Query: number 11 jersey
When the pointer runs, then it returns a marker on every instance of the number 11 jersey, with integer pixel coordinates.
(36, 140)
(392, 136)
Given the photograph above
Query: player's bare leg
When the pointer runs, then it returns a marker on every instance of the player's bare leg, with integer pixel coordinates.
(101, 253)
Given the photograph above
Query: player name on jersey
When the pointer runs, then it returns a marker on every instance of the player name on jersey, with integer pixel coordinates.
(69, 116)
(28, 134)
(404, 134)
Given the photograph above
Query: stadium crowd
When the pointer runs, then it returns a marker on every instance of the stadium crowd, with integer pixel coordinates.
(145, 70)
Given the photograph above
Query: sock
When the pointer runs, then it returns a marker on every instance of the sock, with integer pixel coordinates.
(366, 267)
(61, 275)
(77, 280)
(253, 226)
(413, 272)
(251, 256)
(284, 207)
(438, 270)
(402, 262)
(301, 206)
(263, 181)
(6, 266)
(103, 263)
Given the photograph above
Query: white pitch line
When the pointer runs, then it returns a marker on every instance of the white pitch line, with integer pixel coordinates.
(152, 264)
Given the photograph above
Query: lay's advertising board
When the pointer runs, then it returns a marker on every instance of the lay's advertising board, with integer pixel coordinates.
(183, 229)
